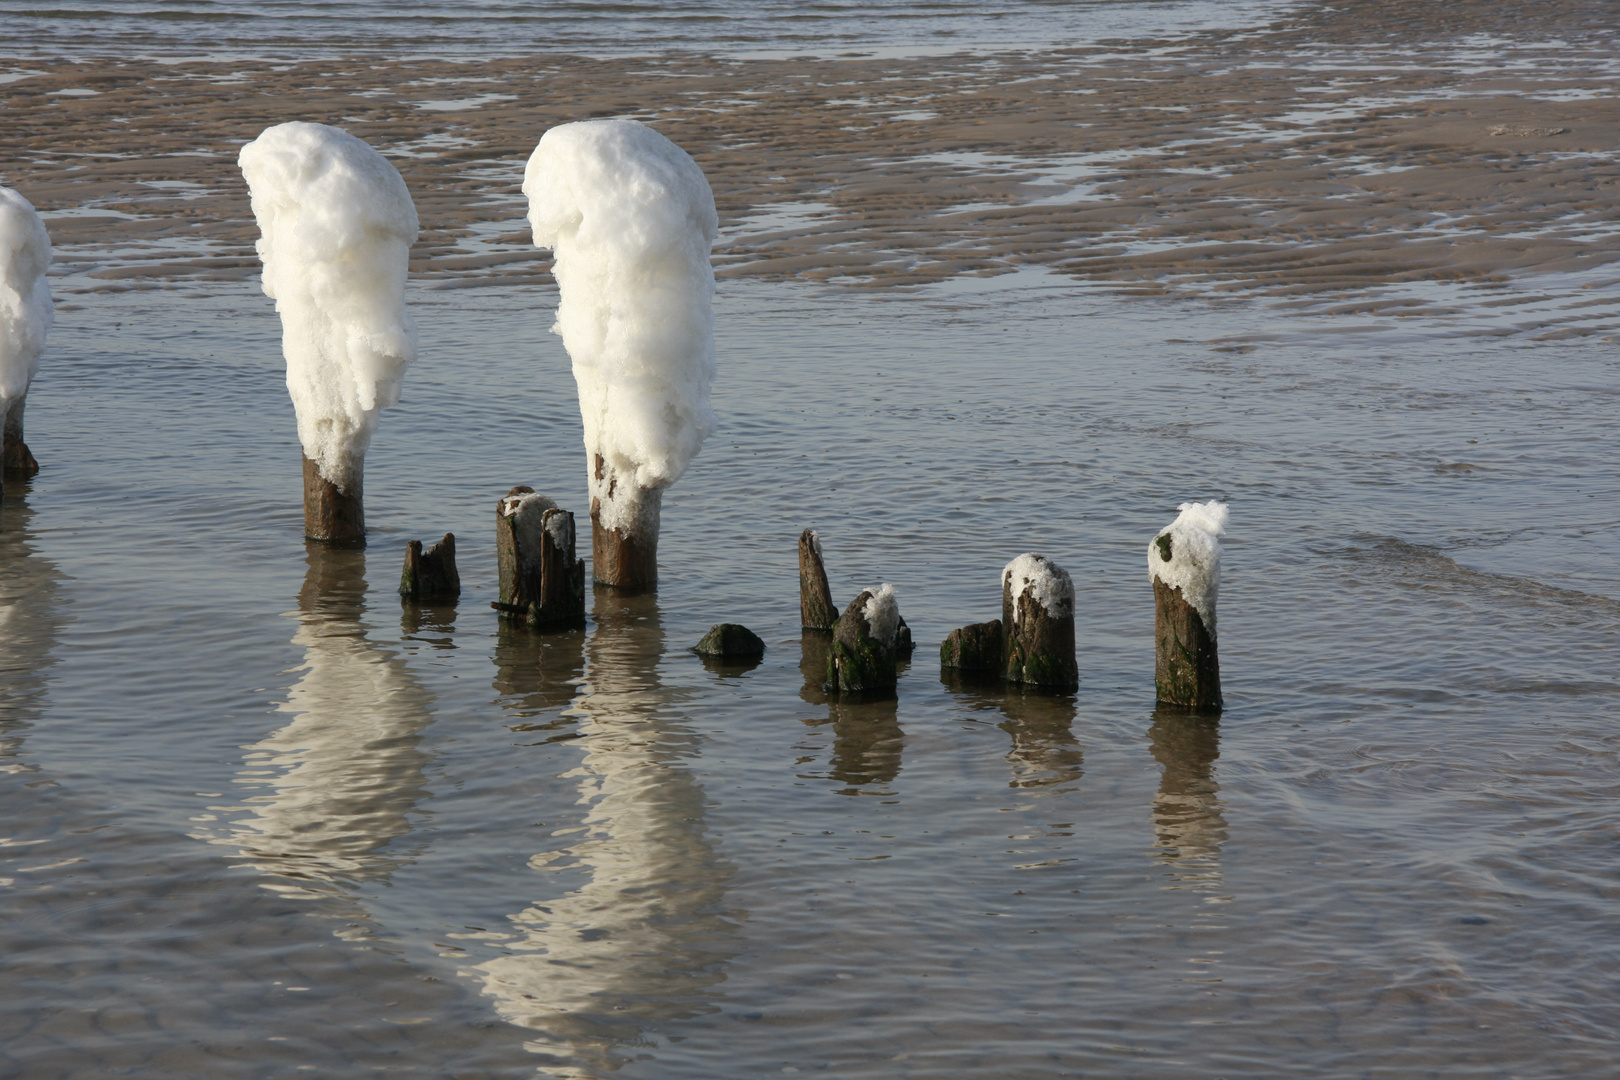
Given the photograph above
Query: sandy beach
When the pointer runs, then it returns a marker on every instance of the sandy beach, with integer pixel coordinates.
(1331, 151)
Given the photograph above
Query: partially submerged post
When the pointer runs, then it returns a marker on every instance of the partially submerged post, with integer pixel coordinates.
(975, 650)
(541, 580)
(862, 659)
(336, 226)
(816, 609)
(25, 319)
(1184, 564)
(630, 219)
(430, 574)
(1037, 620)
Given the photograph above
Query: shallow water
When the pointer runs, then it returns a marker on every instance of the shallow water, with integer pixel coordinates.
(261, 818)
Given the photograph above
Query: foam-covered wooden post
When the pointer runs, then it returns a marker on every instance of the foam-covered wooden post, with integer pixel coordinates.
(862, 658)
(816, 608)
(1037, 624)
(25, 319)
(430, 574)
(630, 219)
(1184, 564)
(541, 580)
(335, 232)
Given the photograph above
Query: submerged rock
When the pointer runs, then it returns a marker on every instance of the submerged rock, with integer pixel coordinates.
(730, 640)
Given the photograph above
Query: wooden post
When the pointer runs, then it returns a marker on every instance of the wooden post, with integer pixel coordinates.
(1186, 669)
(858, 661)
(625, 557)
(333, 515)
(816, 609)
(975, 650)
(431, 574)
(541, 581)
(1038, 624)
(15, 460)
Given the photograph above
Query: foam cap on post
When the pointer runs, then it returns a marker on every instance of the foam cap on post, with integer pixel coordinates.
(1184, 564)
(1037, 624)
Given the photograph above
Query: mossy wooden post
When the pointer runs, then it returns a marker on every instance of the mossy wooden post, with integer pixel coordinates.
(15, 460)
(541, 580)
(974, 650)
(625, 558)
(816, 608)
(333, 515)
(859, 661)
(430, 574)
(1037, 621)
(1186, 667)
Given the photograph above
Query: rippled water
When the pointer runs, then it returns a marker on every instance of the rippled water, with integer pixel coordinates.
(258, 817)
(505, 27)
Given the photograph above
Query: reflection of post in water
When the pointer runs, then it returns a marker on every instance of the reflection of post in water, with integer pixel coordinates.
(1188, 825)
(537, 675)
(334, 787)
(639, 940)
(867, 741)
(30, 622)
(1044, 750)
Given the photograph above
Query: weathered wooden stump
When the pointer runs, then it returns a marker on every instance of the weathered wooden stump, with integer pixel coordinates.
(625, 555)
(975, 649)
(1186, 668)
(1037, 621)
(430, 574)
(541, 580)
(862, 658)
(15, 459)
(1184, 564)
(333, 514)
(816, 608)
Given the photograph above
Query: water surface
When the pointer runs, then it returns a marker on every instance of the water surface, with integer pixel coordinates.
(261, 817)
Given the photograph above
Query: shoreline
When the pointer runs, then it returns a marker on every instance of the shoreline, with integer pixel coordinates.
(1300, 160)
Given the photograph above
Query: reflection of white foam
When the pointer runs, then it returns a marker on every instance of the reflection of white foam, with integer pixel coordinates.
(627, 944)
(334, 787)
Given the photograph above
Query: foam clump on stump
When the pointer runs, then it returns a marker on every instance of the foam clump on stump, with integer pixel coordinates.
(1184, 564)
(1037, 622)
(336, 226)
(541, 580)
(863, 655)
(730, 641)
(430, 574)
(630, 219)
(25, 319)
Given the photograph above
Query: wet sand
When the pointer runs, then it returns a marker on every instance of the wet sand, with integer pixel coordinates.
(1330, 151)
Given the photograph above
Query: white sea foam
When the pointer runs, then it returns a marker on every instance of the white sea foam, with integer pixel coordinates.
(336, 227)
(630, 219)
(1047, 582)
(882, 611)
(25, 298)
(1194, 565)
